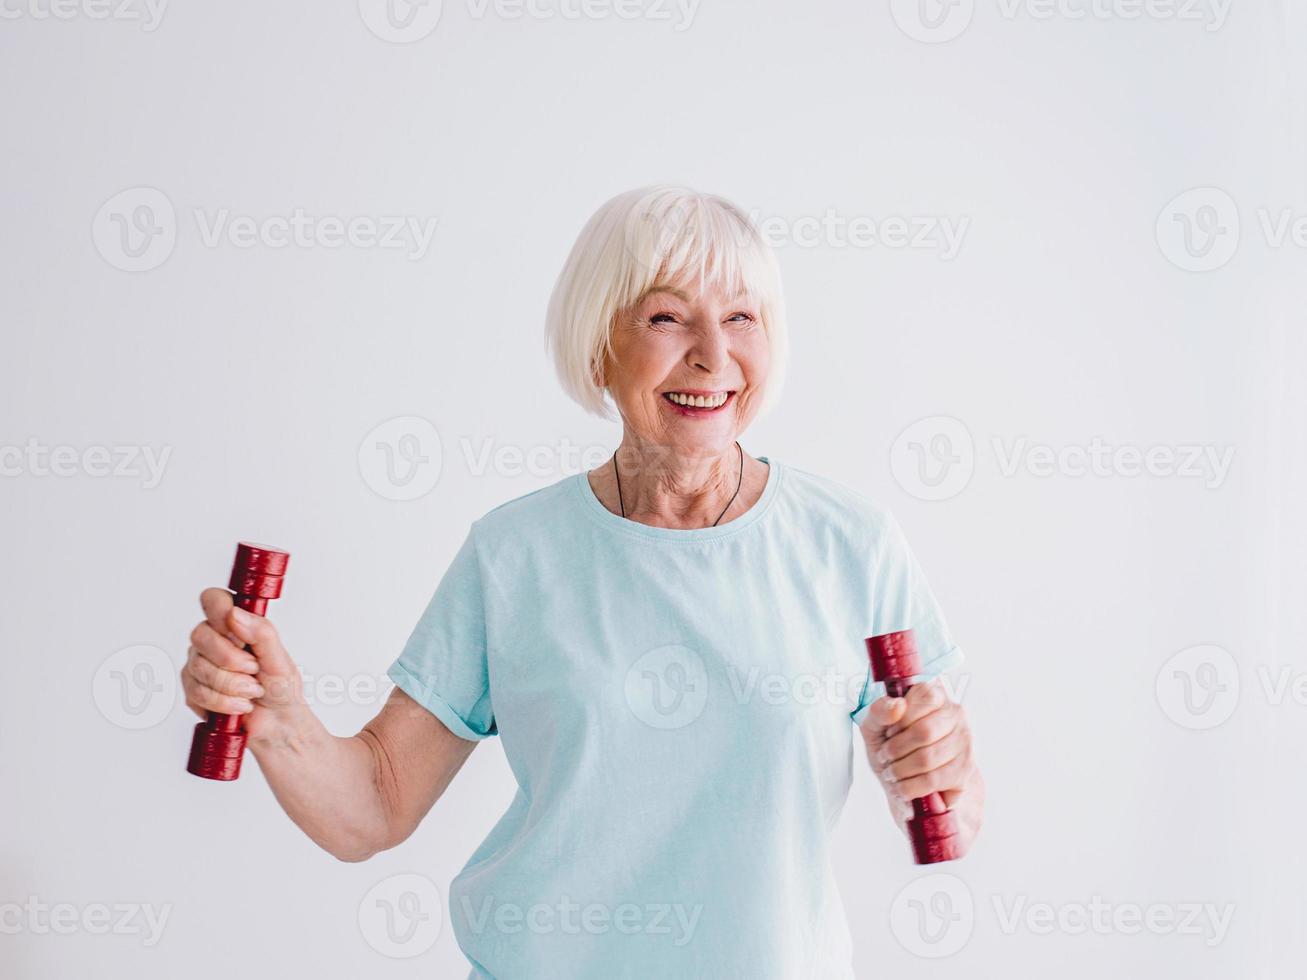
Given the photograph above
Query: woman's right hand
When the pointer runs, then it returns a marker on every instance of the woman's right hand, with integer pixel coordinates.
(353, 796)
(262, 684)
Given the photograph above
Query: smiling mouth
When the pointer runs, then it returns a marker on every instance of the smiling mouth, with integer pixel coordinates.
(698, 403)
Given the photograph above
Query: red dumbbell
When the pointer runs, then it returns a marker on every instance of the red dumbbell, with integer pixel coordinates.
(933, 828)
(219, 741)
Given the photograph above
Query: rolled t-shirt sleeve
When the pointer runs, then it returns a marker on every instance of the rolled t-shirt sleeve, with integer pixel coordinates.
(443, 666)
(902, 599)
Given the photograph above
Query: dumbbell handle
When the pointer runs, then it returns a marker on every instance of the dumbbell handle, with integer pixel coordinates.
(218, 745)
(932, 827)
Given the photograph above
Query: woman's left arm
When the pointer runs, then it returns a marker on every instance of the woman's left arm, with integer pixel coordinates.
(920, 744)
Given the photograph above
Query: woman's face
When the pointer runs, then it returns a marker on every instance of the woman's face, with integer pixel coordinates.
(683, 343)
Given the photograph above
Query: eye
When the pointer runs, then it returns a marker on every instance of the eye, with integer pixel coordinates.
(663, 318)
(741, 317)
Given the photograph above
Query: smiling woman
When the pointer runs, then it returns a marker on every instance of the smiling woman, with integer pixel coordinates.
(657, 240)
(673, 812)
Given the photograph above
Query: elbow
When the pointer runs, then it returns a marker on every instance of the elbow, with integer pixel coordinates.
(360, 846)
(356, 846)
(352, 851)
(351, 855)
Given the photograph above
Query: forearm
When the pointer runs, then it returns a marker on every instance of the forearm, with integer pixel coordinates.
(326, 784)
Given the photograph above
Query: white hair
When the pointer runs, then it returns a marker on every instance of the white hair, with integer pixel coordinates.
(652, 237)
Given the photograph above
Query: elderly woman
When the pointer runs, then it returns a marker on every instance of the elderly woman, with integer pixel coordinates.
(669, 647)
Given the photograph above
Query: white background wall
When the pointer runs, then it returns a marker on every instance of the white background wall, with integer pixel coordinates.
(1067, 315)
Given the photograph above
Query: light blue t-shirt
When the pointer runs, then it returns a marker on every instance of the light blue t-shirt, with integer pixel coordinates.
(678, 708)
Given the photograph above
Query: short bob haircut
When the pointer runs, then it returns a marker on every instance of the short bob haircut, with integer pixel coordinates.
(646, 238)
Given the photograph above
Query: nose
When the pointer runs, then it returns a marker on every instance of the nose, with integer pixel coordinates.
(710, 351)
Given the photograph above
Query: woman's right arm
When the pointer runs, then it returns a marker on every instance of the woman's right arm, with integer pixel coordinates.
(353, 796)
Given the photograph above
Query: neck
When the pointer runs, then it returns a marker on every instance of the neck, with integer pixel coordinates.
(672, 489)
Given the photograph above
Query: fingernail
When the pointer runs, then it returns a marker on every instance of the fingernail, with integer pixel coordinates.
(241, 616)
(243, 705)
(254, 690)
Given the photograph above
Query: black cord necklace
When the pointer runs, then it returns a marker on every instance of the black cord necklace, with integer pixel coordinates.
(739, 484)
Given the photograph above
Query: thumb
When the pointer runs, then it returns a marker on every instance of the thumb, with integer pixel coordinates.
(883, 713)
(275, 663)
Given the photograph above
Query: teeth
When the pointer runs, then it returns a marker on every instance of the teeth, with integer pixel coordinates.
(698, 401)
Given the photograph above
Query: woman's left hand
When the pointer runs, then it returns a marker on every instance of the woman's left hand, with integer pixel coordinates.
(920, 744)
